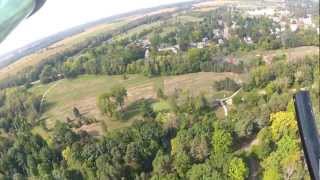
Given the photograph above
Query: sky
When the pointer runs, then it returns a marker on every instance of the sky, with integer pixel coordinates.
(59, 15)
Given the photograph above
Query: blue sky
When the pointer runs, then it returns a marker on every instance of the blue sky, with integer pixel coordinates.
(58, 15)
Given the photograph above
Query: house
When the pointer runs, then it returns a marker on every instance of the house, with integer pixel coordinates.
(146, 43)
(205, 40)
(232, 60)
(226, 34)
(220, 42)
(261, 12)
(192, 44)
(201, 45)
(248, 40)
(216, 32)
(147, 53)
(283, 25)
(143, 43)
(173, 49)
(294, 27)
(276, 19)
(306, 21)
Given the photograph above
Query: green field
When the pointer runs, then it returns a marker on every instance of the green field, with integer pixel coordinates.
(82, 93)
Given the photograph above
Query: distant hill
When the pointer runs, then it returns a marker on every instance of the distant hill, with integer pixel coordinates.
(15, 55)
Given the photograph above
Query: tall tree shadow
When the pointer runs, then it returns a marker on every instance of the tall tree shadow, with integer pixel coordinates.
(135, 108)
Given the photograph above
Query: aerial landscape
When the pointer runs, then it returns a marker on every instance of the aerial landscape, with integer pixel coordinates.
(197, 90)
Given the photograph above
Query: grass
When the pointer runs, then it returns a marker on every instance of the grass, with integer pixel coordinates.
(291, 53)
(83, 91)
(161, 106)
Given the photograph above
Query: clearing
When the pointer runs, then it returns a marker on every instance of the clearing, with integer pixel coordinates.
(82, 93)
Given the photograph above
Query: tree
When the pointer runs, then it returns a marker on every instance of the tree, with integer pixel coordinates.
(182, 163)
(199, 149)
(119, 93)
(155, 40)
(221, 148)
(76, 112)
(63, 136)
(106, 170)
(264, 148)
(48, 74)
(261, 76)
(160, 94)
(226, 84)
(161, 164)
(106, 105)
(237, 169)
(203, 171)
(283, 123)
(133, 157)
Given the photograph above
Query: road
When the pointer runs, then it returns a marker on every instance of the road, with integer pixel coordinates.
(47, 92)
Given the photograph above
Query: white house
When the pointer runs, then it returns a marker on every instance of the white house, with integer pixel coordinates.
(307, 21)
(248, 40)
(220, 41)
(216, 32)
(173, 49)
(201, 45)
(294, 27)
(147, 53)
(261, 12)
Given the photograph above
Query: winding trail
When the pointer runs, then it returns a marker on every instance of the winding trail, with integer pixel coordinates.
(47, 92)
(223, 102)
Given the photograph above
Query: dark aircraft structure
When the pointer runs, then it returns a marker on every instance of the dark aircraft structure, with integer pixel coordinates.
(14, 11)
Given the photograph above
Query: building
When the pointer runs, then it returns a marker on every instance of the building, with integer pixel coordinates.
(306, 21)
(248, 40)
(147, 53)
(220, 42)
(294, 27)
(175, 49)
(226, 34)
(261, 12)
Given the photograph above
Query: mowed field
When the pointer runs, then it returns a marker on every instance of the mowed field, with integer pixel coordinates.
(292, 54)
(83, 92)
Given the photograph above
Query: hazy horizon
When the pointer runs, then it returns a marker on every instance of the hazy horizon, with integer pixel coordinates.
(60, 15)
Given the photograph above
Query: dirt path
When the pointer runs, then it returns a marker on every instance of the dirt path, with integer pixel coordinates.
(253, 163)
(254, 168)
(223, 104)
(47, 92)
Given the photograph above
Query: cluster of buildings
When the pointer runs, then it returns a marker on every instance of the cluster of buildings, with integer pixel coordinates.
(281, 16)
(286, 20)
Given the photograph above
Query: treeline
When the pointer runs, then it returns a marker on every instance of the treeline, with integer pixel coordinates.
(31, 74)
(19, 109)
(125, 56)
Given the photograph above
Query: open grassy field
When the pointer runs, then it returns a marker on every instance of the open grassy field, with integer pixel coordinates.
(292, 53)
(83, 92)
